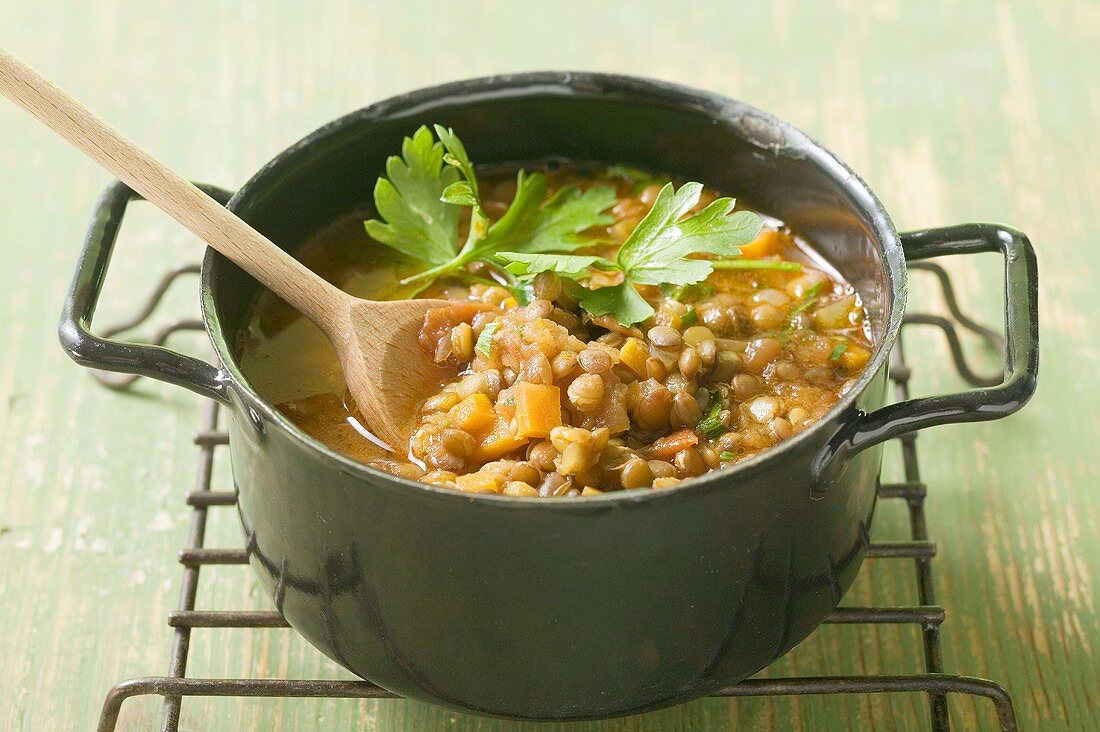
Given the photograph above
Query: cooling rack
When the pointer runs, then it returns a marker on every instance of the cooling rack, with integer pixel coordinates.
(188, 623)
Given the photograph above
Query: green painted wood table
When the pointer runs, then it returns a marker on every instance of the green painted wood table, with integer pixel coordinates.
(952, 112)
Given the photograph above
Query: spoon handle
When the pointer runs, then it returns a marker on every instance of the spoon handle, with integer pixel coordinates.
(166, 189)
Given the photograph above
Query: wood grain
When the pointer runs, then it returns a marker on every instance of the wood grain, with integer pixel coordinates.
(951, 111)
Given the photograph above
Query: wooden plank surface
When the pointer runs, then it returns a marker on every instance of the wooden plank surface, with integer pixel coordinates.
(951, 111)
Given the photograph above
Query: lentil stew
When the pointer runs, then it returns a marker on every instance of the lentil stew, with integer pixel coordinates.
(548, 400)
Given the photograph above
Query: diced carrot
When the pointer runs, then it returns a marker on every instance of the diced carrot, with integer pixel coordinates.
(538, 409)
(506, 403)
(479, 482)
(766, 244)
(474, 414)
(665, 448)
(499, 442)
(634, 354)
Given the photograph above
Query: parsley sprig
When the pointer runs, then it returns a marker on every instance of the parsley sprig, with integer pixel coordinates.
(427, 186)
(658, 252)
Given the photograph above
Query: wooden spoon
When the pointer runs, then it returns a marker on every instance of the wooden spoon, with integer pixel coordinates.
(385, 369)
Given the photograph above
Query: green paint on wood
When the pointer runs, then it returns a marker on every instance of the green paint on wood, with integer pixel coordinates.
(985, 111)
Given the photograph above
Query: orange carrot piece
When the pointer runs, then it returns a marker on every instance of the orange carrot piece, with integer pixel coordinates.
(474, 414)
(633, 355)
(538, 409)
(665, 448)
(768, 242)
(479, 482)
(499, 442)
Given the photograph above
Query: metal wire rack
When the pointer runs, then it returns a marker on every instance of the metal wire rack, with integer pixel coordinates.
(918, 549)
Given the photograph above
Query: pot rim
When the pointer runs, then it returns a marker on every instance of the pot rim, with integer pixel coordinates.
(579, 84)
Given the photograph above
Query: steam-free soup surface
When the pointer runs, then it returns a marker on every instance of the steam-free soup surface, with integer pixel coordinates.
(561, 403)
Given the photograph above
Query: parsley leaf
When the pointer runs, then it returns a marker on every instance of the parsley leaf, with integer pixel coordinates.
(532, 223)
(523, 291)
(622, 301)
(428, 185)
(809, 299)
(460, 193)
(534, 227)
(485, 340)
(466, 189)
(711, 425)
(571, 266)
(684, 293)
(656, 251)
(456, 155)
(418, 223)
(690, 317)
(838, 350)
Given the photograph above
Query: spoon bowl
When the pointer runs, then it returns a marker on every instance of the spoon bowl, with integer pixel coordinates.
(389, 374)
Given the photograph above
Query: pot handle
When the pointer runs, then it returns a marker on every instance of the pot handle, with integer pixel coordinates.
(105, 354)
(1021, 354)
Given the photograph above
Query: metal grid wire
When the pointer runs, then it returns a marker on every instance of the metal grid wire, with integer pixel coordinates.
(933, 682)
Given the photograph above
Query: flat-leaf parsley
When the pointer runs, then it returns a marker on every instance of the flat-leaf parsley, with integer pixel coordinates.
(659, 251)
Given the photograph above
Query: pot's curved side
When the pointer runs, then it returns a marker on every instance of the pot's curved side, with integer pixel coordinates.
(506, 610)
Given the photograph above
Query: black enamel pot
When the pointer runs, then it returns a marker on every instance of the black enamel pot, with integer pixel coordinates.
(570, 608)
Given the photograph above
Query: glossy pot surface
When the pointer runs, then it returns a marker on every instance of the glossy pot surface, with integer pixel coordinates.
(572, 608)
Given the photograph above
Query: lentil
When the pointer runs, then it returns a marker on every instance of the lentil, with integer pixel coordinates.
(696, 334)
(636, 474)
(654, 399)
(462, 341)
(655, 368)
(586, 392)
(542, 455)
(689, 463)
(547, 285)
(686, 410)
(781, 428)
(662, 469)
(689, 363)
(594, 361)
(662, 336)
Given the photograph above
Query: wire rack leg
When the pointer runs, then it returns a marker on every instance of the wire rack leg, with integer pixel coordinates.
(939, 713)
(181, 641)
